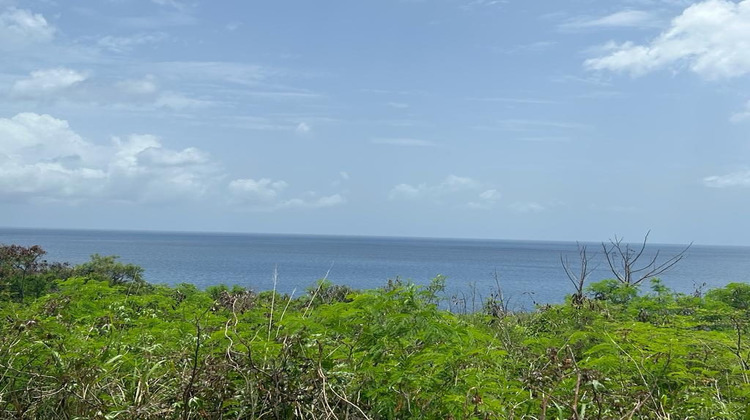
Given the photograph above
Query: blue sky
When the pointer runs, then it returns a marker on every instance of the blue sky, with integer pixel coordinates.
(565, 120)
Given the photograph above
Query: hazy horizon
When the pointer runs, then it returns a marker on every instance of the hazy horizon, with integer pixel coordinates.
(470, 119)
(588, 242)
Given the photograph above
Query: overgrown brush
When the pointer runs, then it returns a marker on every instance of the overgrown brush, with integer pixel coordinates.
(92, 348)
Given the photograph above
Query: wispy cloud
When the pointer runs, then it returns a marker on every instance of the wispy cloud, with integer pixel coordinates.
(601, 94)
(300, 124)
(171, 3)
(709, 37)
(179, 101)
(734, 179)
(303, 128)
(743, 115)
(512, 100)
(261, 191)
(314, 202)
(545, 139)
(451, 184)
(393, 92)
(621, 19)
(534, 47)
(206, 71)
(283, 94)
(122, 44)
(591, 79)
(527, 207)
(145, 86)
(20, 28)
(156, 21)
(46, 82)
(404, 142)
(474, 4)
(267, 195)
(463, 191)
(485, 200)
(535, 125)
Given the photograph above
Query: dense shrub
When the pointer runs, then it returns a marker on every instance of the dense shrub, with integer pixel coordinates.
(96, 347)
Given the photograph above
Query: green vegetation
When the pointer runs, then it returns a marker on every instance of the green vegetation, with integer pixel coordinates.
(97, 342)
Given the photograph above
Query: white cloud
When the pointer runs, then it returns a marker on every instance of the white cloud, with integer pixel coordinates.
(142, 169)
(20, 28)
(406, 191)
(527, 207)
(623, 18)
(544, 139)
(735, 179)
(710, 38)
(452, 184)
(266, 194)
(473, 4)
(743, 115)
(532, 101)
(46, 82)
(404, 142)
(485, 200)
(157, 156)
(261, 191)
(303, 128)
(139, 87)
(211, 71)
(41, 157)
(522, 125)
(455, 183)
(51, 180)
(490, 195)
(534, 47)
(171, 3)
(315, 203)
(121, 44)
(178, 101)
(46, 137)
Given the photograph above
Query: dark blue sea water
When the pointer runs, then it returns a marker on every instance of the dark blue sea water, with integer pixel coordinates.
(528, 271)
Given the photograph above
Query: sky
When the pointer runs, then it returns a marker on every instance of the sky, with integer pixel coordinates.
(507, 119)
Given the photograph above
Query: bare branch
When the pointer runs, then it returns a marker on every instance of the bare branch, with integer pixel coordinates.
(622, 260)
(643, 247)
(578, 280)
(610, 260)
(665, 266)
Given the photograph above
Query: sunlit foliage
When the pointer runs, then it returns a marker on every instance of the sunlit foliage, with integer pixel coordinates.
(96, 345)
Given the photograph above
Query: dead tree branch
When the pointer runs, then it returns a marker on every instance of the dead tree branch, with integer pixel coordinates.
(578, 279)
(623, 261)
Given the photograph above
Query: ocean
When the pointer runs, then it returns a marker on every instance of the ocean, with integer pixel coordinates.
(529, 272)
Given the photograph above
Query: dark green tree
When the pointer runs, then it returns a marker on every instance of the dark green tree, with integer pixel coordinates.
(110, 269)
(24, 272)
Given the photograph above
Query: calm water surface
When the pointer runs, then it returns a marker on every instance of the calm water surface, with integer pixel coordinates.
(528, 271)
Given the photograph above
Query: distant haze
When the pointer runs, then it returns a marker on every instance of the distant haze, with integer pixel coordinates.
(562, 120)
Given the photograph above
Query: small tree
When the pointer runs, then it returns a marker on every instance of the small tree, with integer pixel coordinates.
(108, 268)
(577, 277)
(626, 264)
(24, 273)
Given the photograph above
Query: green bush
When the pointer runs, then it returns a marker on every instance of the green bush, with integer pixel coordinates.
(613, 291)
(103, 345)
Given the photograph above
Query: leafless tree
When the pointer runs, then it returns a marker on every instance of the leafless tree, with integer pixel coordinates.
(623, 261)
(578, 278)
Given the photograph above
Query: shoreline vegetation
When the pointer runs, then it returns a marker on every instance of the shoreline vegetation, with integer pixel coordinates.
(95, 341)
